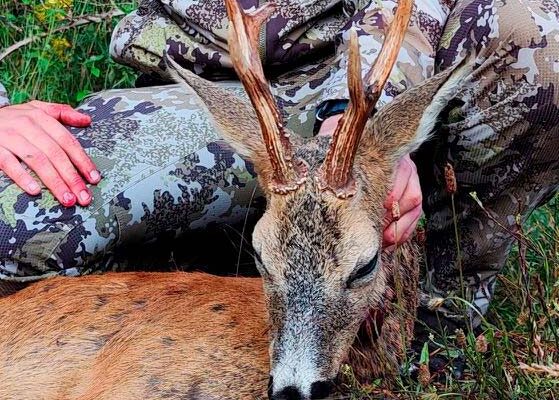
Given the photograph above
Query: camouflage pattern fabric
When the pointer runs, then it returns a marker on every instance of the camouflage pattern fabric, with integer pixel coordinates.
(158, 177)
(165, 169)
(502, 143)
(301, 34)
(4, 101)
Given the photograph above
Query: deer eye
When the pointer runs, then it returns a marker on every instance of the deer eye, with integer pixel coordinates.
(363, 271)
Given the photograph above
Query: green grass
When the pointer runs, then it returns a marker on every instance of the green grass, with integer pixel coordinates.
(60, 66)
(521, 326)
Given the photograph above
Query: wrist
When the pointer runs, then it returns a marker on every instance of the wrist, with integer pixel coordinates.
(329, 125)
(328, 113)
(330, 108)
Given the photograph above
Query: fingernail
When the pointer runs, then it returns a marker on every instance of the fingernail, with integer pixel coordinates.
(68, 198)
(33, 187)
(84, 196)
(95, 176)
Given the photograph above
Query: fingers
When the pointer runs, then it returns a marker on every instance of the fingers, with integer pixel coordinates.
(57, 156)
(63, 113)
(33, 132)
(412, 196)
(400, 231)
(13, 169)
(411, 199)
(40, 163)
(407, 192)
(72, 148)
(411, 228)
(404, 170)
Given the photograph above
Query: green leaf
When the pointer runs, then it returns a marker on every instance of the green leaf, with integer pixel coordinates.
(82, 94)
(96, 72)
(20, 96)
(43, 63)
(453, 353)
(424, 359)
(94, 58)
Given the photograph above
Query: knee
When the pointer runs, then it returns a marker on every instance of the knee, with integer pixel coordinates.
(508, 30)
(526, 37)
(524, 26)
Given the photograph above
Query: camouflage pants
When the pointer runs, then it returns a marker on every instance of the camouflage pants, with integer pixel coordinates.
(166, 171)
(164, 168)
(502, 142)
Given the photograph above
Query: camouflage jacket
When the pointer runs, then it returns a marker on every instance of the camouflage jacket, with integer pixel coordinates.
(3, 96)
(194, 33)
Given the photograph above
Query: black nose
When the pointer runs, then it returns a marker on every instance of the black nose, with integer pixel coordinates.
(321, 389)
(288, 393)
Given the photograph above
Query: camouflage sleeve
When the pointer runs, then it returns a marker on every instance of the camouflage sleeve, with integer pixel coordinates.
(4, 101)
(416, 59)
(191, 32)
(194, 33)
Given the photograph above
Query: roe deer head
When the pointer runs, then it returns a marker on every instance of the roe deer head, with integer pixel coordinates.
(318, 244)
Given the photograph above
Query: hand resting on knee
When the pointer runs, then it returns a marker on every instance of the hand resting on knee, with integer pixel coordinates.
(33, 133)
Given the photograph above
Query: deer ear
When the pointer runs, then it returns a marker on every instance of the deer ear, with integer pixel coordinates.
(232, 115)
(400, 127)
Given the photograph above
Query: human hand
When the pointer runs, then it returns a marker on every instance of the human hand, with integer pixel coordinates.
(407, 192)
(33, 133)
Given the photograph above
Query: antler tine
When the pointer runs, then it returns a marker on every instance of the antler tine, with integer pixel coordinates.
(336, 172)
(243, 46)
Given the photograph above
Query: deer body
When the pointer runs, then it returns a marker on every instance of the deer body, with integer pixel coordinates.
(160, 336)
(135, 336)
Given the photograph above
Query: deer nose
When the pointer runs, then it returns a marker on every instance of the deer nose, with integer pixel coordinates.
(288, 393)
(319, 390)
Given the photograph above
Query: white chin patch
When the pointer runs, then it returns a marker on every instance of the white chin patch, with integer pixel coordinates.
(296, 369)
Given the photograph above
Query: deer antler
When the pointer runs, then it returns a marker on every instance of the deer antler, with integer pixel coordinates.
(335, 174)
(243, 46)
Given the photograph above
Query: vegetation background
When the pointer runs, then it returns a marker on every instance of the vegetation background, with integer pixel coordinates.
(55, 61)
(57, 50)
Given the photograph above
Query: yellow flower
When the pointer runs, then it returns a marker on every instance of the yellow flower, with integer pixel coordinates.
(63, 4)
(59, 47)
(41, 10)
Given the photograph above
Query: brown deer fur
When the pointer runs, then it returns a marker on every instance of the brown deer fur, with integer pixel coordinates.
(162, 336)
(133, 336)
